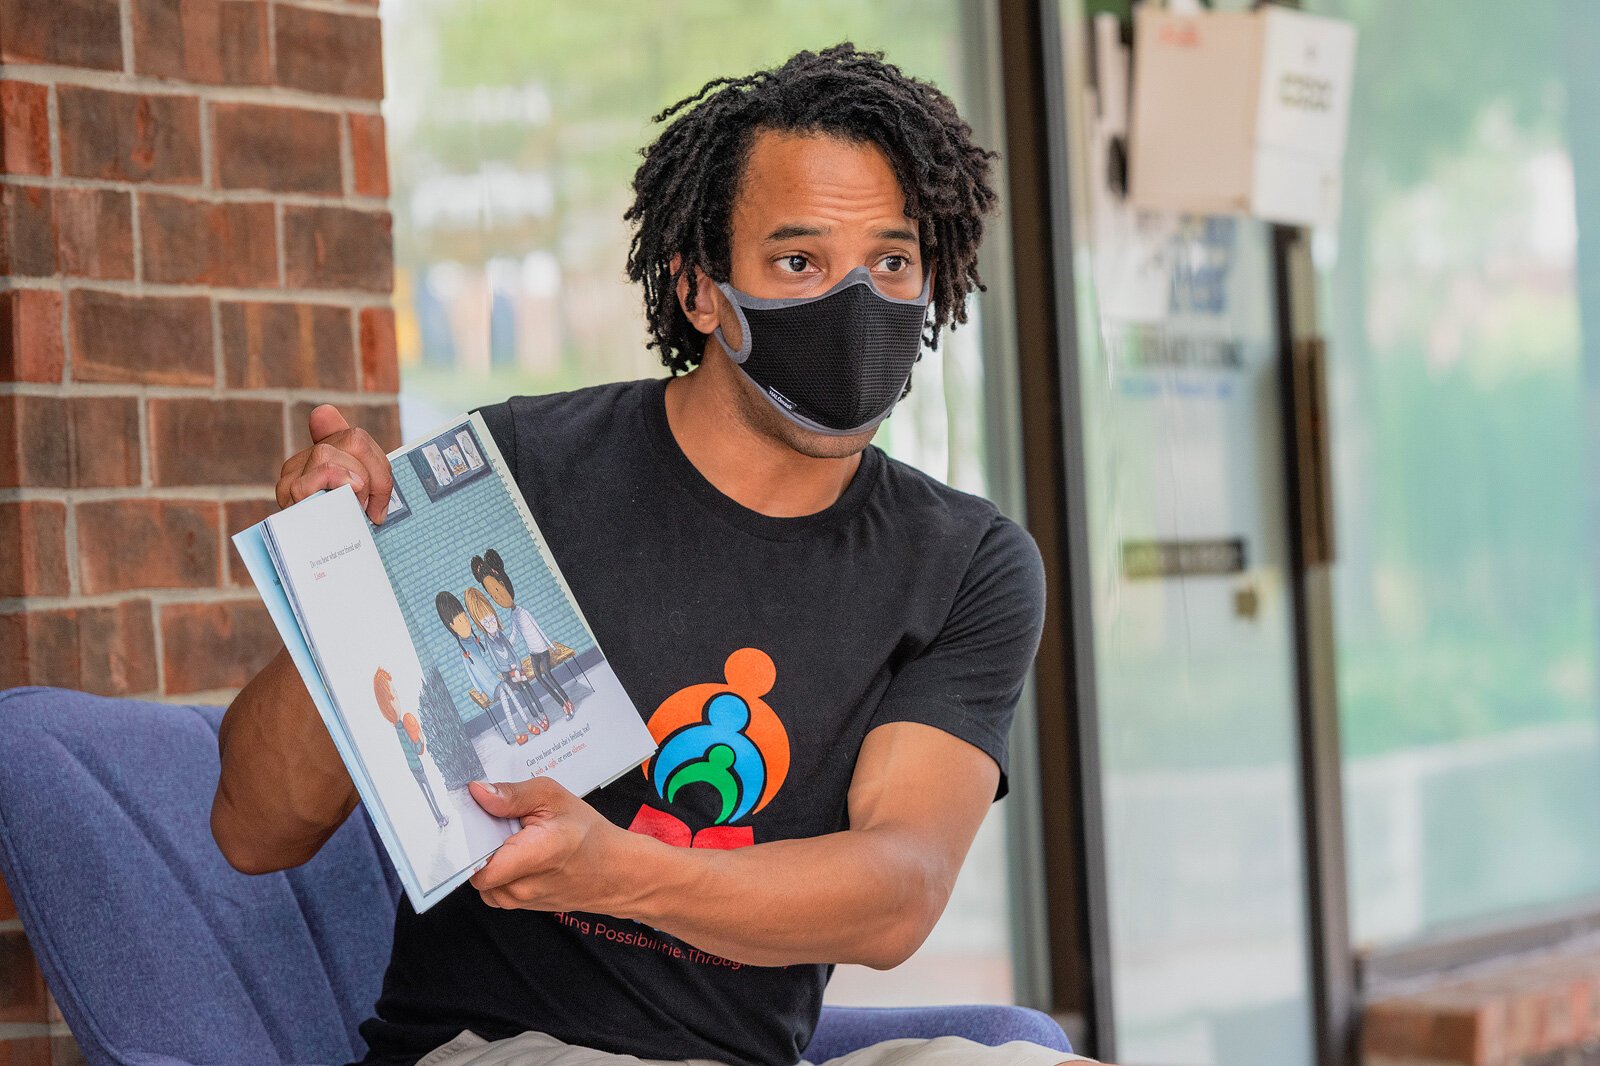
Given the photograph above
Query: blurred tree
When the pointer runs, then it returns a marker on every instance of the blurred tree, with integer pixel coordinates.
(528, 120)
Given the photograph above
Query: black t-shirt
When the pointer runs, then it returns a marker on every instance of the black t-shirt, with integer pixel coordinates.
(905, 601)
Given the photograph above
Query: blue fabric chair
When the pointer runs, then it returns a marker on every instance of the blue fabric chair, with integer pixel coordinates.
(160, 954)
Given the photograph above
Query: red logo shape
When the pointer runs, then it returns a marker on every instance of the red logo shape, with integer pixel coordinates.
(672, 830)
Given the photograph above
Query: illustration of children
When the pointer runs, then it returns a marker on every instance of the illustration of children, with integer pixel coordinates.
(513, 680)
(506, 710)
(490, 571)
(409, 732)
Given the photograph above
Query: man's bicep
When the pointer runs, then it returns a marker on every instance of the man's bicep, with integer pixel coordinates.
(968, 679)
(926, 786)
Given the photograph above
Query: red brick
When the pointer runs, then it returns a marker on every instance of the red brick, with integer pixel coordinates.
(24, 127)
(27, 231)
(35, 560)
(152, 340)
(30, 336)
(323, 52)
(245, 58)
(106, 650)
(178, 39)
(284, 345)
(215, 645)
(382, 420)
(242, 514)
(34, 447)
(71, 442)
(338, 248)
(129, 136)
(22, 994)
(69, 33)
(117, 649)
(104, 432)
(215, 442)
(369, 155)
(8, 906)
(39, 648)
(380, 367)
(139, 544)
(280, 149)
(26, 1051)
(193, 242)
(94, 233)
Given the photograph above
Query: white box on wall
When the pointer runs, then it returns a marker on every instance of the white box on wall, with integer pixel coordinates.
(1240, 113)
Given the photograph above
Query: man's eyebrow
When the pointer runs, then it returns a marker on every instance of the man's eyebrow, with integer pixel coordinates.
(793, 230)
(786, 233)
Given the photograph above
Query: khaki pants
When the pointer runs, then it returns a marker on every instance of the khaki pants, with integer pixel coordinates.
(537, 1049)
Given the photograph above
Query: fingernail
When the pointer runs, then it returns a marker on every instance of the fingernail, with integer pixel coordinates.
(491, 787)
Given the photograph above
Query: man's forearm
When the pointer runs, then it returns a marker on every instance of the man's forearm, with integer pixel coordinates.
(283, 788)
(866, 896)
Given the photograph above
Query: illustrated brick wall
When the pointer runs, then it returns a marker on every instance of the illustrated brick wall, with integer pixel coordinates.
(194, 249)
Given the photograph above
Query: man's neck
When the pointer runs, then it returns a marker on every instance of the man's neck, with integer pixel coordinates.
(750, 468)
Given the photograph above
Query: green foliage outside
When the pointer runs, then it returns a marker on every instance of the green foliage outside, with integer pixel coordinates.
(601, 71)
(1465, 587)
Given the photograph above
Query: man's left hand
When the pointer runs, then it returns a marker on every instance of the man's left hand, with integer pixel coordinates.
(563, 858)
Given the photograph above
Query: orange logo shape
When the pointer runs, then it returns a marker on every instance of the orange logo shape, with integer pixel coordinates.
(750, 676)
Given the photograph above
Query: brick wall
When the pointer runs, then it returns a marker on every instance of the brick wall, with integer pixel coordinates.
(1542, 1010)
(194, 248)
(426, 547)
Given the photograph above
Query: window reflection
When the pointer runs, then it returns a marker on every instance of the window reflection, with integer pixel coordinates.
(1465, 586)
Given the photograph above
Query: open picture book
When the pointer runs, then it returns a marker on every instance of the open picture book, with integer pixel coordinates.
(442, 647)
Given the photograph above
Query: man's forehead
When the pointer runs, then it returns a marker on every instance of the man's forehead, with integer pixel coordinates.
(798, 185)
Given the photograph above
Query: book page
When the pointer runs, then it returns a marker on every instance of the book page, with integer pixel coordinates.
(515, 684)
(324, 551)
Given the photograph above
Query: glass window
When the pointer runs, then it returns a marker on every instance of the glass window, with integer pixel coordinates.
(514, 132)
(1200, 797)
(1461, 286)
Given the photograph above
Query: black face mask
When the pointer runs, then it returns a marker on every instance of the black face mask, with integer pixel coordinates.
(835, 363)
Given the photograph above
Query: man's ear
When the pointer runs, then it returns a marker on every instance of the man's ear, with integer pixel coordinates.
(706, 315)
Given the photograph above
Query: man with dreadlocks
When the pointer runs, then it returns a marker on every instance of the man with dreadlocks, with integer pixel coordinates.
(828, 644)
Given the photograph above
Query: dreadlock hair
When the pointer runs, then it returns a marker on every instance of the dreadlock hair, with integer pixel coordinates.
(685, 188)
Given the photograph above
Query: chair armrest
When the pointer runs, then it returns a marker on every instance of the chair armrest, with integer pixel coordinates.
(842, 1030)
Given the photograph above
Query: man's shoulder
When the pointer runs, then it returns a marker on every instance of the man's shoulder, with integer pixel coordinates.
(931, 510)
(588, 403)
(928, 505)
(543, 424)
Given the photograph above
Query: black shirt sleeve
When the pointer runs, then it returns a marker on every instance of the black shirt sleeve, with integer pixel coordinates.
(968, 680)
(502, 427)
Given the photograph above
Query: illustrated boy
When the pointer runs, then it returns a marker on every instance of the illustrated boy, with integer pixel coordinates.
(409, 732)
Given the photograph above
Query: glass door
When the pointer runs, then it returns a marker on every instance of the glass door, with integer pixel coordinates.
(1199, 792)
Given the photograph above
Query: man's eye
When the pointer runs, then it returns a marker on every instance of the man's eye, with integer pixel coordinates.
(895, 263)
(796, 263)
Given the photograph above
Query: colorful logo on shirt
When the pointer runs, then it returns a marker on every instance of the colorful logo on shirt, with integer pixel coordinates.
(724, 737)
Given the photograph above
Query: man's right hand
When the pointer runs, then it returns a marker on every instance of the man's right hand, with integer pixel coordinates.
(338, 456)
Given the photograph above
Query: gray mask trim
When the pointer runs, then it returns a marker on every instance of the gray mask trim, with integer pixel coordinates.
(816, 427)
(741, 300)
